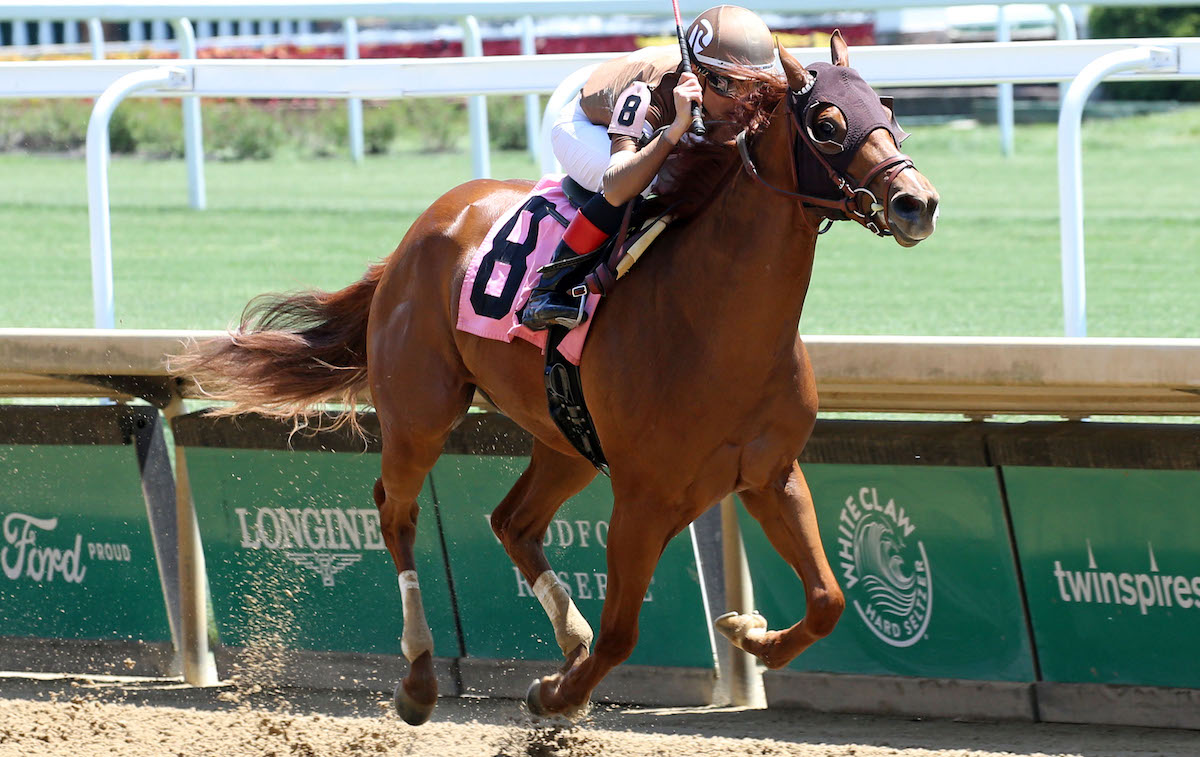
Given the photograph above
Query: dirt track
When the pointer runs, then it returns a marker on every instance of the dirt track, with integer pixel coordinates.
(142, 718)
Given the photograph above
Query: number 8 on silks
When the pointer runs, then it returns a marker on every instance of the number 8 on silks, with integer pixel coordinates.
(629, 115)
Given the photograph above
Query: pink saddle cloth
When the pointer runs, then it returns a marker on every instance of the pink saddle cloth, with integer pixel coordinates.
(504, 269)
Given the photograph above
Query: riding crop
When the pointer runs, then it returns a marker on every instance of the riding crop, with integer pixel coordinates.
(697, 122)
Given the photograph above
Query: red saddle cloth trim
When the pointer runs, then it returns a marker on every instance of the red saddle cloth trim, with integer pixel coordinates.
(550, 231)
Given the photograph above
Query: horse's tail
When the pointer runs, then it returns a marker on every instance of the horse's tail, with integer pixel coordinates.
(289, 354)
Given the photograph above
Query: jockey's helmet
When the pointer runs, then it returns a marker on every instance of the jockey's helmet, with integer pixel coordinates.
(727, 36)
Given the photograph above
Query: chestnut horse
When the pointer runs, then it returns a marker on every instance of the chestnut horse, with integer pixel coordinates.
(695, 374)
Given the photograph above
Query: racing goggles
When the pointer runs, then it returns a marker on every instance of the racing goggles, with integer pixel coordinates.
(725, 86)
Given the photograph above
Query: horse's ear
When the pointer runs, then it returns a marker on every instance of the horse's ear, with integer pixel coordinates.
(839, 50)
(798, 77)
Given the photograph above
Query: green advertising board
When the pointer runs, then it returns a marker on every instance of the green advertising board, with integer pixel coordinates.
(502, 619)
(296, 558)
(924, 558)
(76, 557)
(1112, 572)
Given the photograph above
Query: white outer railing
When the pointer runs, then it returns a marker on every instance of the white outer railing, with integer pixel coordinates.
(428, 9)
(909, 65)
(467, 11)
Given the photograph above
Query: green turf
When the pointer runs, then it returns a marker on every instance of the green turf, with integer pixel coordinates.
(992, 267)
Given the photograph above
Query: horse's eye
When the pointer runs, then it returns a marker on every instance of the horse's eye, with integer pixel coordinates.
(826, 129)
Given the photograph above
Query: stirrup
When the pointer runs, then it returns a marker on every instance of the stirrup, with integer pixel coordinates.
(579, 292)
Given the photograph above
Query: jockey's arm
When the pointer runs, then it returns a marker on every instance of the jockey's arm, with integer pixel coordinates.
(631, 170)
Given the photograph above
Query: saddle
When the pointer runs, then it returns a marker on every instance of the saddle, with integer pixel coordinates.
(500, 275)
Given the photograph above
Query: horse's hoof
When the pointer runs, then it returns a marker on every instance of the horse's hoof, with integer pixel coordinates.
(737, 627)
(533, 701)
(412, 711)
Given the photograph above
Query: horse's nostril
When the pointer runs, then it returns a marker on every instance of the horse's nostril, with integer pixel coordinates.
(907, 206)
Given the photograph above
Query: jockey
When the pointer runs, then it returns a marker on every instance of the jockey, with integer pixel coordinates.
(616, 134)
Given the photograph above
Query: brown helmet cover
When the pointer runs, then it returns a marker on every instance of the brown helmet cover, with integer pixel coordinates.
(728, 36)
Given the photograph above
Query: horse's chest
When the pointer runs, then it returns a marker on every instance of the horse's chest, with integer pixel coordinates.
(774, 432)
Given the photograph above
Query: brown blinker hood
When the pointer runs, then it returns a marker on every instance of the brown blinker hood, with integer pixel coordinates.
(863, 110)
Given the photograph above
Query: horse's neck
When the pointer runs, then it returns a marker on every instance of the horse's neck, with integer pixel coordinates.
(747, 259)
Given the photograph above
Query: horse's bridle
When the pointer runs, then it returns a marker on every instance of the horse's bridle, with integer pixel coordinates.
(858, 202)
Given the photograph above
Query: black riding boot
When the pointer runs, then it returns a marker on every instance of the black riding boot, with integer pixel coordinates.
(549, 304)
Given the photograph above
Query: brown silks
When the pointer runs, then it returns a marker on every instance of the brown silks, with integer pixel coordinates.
(864, 112)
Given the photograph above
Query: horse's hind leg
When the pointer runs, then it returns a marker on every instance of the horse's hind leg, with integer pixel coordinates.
(412, 434)
(785, 511)
(520, 522)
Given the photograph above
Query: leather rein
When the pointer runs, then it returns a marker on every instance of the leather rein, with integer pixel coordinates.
(849, 205)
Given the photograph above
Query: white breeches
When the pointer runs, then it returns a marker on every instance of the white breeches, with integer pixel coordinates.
(582, 147)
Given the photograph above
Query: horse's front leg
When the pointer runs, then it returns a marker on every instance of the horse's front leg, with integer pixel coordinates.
(785, 510)
(636, 538)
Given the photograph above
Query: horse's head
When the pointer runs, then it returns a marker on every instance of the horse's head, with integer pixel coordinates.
(847, 149)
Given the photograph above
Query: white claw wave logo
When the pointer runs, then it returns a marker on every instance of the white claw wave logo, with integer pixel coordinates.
(885, 572)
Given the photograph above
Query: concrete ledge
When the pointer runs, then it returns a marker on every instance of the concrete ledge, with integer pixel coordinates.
(313, 669)
(98, 657)
(896, 695)
(628, 684)
(1119, 705)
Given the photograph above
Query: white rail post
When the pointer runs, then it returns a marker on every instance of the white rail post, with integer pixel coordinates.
(71, 32)
(481, 159)
(1064, 23)
(193, 128)
(1004, 91)
(99, 220)
(199, 668)
(96, 38)
(745, 684)
(532, 109)
(1070, 169)
(20, 33)
(354, 109)
(45, 31)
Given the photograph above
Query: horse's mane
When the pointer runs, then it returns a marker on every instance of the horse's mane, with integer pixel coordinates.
(693, 173)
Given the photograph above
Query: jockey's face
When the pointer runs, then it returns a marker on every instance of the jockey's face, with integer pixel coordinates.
(720, 93)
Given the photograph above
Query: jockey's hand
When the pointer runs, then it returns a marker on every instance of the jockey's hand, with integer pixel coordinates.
(686, 92)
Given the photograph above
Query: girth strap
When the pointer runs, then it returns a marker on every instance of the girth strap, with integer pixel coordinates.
(568, 409)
